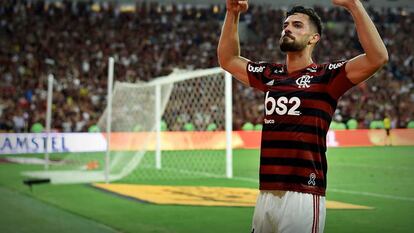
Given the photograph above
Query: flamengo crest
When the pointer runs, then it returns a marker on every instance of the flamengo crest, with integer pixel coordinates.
(304, 81)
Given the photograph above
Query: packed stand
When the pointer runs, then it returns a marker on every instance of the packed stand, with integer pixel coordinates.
(73, 41)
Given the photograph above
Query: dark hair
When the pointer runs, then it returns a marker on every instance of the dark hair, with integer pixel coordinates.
(313, 16)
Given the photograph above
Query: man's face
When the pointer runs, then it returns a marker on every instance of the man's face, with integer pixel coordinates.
(296, 33)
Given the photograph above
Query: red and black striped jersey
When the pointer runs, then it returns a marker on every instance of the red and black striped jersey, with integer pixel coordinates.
(298, 110)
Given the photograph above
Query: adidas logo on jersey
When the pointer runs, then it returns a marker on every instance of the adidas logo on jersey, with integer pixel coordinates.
(312, 69)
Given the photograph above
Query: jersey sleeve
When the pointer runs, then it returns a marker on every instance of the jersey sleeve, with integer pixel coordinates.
(339, 83)
(258, 74)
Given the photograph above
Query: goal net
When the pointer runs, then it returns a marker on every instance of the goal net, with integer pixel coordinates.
(174, 127)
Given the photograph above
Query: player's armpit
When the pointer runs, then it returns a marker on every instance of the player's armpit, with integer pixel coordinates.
(360, 68)
(237, 66)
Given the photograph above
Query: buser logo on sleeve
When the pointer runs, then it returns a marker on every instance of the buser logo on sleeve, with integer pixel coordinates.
(336, 66)
(255, 69)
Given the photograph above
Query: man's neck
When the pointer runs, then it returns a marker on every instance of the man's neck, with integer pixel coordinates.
(297, 61)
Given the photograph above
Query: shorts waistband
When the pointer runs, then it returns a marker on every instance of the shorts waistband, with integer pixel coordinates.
(278, 193)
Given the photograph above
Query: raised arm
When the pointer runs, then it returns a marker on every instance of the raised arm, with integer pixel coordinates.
(361, 67)
(228, 50)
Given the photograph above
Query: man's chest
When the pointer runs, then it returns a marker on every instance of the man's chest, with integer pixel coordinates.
(296, 85)
(288, 95)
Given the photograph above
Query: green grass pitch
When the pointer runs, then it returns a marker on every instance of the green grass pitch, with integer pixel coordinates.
(380, 177)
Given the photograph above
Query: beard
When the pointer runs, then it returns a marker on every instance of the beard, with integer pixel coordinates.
(288, 44)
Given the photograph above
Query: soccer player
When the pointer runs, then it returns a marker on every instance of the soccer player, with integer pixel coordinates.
(300, 99)
(387, 127)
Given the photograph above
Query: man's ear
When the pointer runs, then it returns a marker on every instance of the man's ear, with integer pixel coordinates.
(315, 38)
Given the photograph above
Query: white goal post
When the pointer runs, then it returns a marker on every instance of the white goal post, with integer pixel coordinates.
(182, 76)
(137, 117)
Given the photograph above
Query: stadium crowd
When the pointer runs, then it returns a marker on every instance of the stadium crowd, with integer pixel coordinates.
(73, 41)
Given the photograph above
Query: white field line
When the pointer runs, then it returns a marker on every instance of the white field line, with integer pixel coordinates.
(385, 196)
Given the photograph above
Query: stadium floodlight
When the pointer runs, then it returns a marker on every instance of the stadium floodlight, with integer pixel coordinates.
(146, 137)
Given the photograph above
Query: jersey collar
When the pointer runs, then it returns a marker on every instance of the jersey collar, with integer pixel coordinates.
(310, 68)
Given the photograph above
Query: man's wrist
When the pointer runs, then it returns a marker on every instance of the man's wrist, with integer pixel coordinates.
(354, 5)
(235, 13)
(234, 16)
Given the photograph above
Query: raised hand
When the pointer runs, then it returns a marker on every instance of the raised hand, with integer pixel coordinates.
(237, 6)
(345, 3)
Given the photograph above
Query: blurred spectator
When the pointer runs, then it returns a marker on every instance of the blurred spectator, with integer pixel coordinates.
(73, 40)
